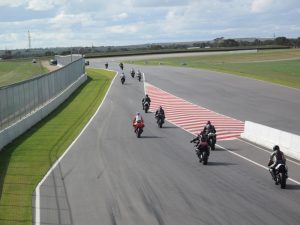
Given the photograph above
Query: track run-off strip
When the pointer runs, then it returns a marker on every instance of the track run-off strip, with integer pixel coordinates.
(192, 117)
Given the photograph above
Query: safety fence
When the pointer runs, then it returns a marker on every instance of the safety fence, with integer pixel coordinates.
(23, 98)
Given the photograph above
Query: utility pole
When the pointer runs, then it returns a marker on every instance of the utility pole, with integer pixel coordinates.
(29, 40)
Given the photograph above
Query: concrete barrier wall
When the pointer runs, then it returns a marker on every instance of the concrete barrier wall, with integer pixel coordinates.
(268, 137)
(63, 60)
(15, 130)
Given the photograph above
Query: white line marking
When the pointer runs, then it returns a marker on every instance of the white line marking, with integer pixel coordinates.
(266, 150)
(234, 153)
(243, 157)
(37, 190)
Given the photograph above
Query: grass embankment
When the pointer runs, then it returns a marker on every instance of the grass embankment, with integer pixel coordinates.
(24, 162)
(276, 66)
(12, 71)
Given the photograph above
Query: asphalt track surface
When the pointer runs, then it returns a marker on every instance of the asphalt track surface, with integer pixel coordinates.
(111, 177)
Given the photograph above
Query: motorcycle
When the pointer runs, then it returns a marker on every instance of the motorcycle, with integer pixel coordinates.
(160, 119)
(106, 65)
(202, 154)
(139, 129)
(123, 79)
(146, 106)
(132, 73)
(139, 76)
(212, 139)
(121, 66)
(281, 175)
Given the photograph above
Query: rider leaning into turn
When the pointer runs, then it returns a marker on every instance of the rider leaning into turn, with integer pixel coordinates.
(146, 99)
(277, 157)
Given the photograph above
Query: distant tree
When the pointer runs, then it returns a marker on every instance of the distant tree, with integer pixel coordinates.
(155, 47)
(67, 52)
(282, 41)
(229, 43)
(297, 42)
(49, 53)
(7, 54)
(268, 42)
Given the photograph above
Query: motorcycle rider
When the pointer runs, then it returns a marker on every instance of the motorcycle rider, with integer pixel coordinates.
(202, 146)
(137, 119)
(146, 99)
(209, 128)
(277, 157)
(160, 112)
(121, 65)
(122, 76)
(132, 72)
(139, 74)
(106, 65)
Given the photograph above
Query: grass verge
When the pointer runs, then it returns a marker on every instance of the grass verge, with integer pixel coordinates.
(276, 66)
(12, 71)
(25, 161)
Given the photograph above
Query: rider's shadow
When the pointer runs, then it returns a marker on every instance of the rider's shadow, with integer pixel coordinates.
(292, 186)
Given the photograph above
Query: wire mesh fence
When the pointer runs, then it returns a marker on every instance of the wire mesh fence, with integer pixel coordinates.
(20, 99)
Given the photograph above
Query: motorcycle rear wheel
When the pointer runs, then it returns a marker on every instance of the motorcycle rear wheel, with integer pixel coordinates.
(282, 180)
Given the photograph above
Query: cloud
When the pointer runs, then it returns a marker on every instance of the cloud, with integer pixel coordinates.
(11, 3)
(65, 20)
(124, 29)
(258, 6)
(120, 16)
(43, 5)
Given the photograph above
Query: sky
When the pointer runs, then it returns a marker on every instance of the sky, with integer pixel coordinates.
(66, 23)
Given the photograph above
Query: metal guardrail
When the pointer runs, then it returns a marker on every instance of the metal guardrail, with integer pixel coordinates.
(20, 99)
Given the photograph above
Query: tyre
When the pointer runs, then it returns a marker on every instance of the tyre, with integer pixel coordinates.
(282, 180)
(213, 146)
(205, 158)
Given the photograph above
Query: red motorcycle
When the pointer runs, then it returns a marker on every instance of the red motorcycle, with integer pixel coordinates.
(139, 129)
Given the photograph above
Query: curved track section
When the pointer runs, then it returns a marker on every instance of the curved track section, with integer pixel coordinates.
(111, 177)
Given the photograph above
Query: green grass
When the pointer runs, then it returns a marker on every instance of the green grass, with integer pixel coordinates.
(12, 71)
(276, 66)
(25, 161)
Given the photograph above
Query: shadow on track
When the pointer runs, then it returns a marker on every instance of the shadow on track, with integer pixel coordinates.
(293, 186)
(150, 137)
(169, 127)
(220, 164)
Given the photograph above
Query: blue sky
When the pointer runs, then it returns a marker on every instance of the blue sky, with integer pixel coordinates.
(58, 23)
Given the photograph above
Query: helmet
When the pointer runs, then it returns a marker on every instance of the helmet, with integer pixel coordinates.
(275, 148)
(208, 122)
(160, 107)
(147, 95)
(137, 113)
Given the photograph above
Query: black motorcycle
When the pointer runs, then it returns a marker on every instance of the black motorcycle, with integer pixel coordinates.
(281, 174)
(132, 73)
(106, 65)
(146, 106)
(123, 79)
(139, 76)
(202, 151)
(212, 139)
(160, 119)
(121, 66)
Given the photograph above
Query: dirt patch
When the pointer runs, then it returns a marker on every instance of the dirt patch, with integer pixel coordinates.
(49, 67)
